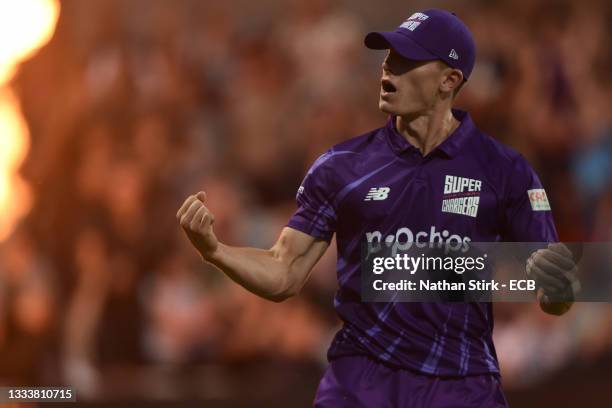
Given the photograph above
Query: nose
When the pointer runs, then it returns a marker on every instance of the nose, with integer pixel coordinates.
(389, 63)
(385, 65)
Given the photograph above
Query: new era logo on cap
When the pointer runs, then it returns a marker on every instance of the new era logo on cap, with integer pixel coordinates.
(453, 54)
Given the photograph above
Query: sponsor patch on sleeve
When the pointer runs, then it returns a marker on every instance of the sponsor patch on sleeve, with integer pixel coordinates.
(538, 199)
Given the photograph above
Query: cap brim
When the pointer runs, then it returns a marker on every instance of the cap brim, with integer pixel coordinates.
(401, 43)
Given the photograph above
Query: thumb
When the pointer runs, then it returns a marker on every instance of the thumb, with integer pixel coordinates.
(201, 196)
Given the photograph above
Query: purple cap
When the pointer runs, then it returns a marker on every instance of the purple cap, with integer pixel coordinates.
(430, 35)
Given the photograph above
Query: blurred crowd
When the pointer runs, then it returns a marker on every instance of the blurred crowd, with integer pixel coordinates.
(136, 104)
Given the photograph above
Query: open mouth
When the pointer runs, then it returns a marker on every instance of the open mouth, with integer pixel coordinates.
(387, 86)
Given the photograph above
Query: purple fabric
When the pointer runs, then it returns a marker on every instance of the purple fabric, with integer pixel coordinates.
(360, 382)
(378, 187)
(430, 35)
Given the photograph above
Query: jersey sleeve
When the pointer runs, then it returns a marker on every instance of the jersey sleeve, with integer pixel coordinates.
(316, 214)
(526, 212)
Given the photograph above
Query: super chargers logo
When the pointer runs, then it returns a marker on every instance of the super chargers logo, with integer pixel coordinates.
(461, 195)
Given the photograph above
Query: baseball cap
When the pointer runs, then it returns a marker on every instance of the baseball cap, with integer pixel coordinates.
(430, 35)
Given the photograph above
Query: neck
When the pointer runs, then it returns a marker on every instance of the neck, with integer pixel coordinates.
(427, 131)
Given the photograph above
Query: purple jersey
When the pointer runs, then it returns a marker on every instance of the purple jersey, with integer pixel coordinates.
(379, 187)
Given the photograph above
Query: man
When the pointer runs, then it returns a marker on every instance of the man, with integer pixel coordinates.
(369, 187)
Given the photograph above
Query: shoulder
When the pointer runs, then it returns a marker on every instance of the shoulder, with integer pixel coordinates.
(506, 160)
(510, 173)
(347, 152)
(503, 169)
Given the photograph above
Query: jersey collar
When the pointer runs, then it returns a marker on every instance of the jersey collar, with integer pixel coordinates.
(449, 147)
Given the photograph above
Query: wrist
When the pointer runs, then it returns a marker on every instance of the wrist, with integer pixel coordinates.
(212, 255)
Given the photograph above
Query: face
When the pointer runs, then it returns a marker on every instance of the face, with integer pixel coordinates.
(408, 86)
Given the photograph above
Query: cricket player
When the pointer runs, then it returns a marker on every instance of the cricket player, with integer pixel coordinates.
(430, 174)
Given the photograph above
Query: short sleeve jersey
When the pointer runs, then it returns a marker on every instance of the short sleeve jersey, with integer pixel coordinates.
(378, 186)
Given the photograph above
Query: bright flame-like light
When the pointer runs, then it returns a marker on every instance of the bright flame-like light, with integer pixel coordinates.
(25, 26)
(15, 196)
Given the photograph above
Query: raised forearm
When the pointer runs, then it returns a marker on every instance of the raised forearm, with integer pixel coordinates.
(273, 274)
(260, 271)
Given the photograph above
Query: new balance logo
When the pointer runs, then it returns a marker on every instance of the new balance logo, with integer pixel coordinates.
(453, 54)
(377, 194)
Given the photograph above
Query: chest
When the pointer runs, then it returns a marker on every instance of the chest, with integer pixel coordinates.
(454, 197)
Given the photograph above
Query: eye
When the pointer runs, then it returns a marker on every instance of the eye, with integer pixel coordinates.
(393, 59)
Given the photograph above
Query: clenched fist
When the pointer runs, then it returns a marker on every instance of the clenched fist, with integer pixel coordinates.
(554, 270)
(197, 223)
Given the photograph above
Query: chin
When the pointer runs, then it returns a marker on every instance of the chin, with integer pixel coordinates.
(386, 107)
(394, 110)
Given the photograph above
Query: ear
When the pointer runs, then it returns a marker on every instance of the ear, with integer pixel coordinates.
(451, 79)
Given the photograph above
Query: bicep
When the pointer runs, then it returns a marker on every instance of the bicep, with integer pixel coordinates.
(299, 252)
